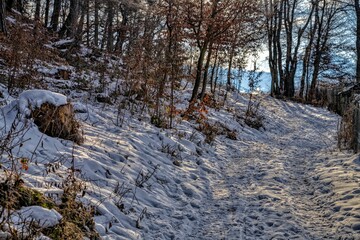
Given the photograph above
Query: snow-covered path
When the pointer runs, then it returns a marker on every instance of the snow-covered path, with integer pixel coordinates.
(289, 182)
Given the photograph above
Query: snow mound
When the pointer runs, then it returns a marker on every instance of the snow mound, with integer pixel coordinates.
(35, 98)
(43, 216)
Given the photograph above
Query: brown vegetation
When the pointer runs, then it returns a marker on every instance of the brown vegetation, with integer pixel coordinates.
(58, 122)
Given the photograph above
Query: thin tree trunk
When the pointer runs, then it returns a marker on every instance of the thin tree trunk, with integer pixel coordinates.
(228, 81)
(199, 67)
(55, 16)
(305, 67)
(217, 76)
(213, 72)
(206, 70)
(47, 9)
(88, 24)
(121, 33)
(307, 55)
(357, 11)
(2, 16)
(37, 10)
(9, 4)
(110, 38)
(279, 47)
(96, 23)
(70, 26)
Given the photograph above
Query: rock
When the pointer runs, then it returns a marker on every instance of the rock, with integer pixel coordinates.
(356, 226)
(103, 99)
(177, 163)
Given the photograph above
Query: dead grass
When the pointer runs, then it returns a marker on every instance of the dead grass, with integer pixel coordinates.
(346, 134)
(58, 122)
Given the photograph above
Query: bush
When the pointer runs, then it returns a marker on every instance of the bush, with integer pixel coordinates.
(58, 122)
(346, 134)
(252, 116)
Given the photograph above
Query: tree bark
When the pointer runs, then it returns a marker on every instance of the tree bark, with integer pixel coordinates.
(199, 67)
(206, 70)
(70, 26)
(213, 72)
(2, 17)
(96, 23)
(357, 11)
(110, 32)
(55, 15)
(121, 33)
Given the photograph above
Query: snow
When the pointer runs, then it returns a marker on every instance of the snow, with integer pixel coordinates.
(31, 99)
(286, 181)
(63, 42)
(42, 216)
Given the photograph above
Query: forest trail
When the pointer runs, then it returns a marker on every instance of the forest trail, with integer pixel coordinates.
(290, 183)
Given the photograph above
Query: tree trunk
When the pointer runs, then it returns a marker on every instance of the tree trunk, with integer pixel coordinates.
(307, 55)
(88, 23)
(70, 26)
(37, 10)
(9, 4)
(199, 67)
(80, 26)
(207, 65)
(2, 16)
(47, 9)
(110, 17)
(213, 72)
(317, 57)
(305, 67)
(273, 38)
(96, 23)
(357, 11)
(55, 15)
(121, 33)
(19, 5)
(279, 47)
(228, 80)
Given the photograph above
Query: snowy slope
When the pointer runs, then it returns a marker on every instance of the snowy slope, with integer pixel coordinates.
(285, 182)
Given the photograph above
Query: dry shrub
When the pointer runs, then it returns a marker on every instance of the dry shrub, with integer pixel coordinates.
(58, 122)
(210, 101)
(65, 230)
(24, 44)
(253, 118)
(14, 195)
(346, 132)
(209, 130)
(195, 111)
(77, 221)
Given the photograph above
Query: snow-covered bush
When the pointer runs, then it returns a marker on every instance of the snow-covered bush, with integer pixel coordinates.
(51, 113)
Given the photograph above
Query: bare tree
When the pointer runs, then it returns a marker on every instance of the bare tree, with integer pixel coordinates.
(325, 23)
(357, 13)
(208, 21)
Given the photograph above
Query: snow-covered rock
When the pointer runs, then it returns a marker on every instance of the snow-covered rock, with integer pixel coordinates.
(28, 100)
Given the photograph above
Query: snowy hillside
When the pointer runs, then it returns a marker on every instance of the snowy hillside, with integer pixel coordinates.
(284, 181)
